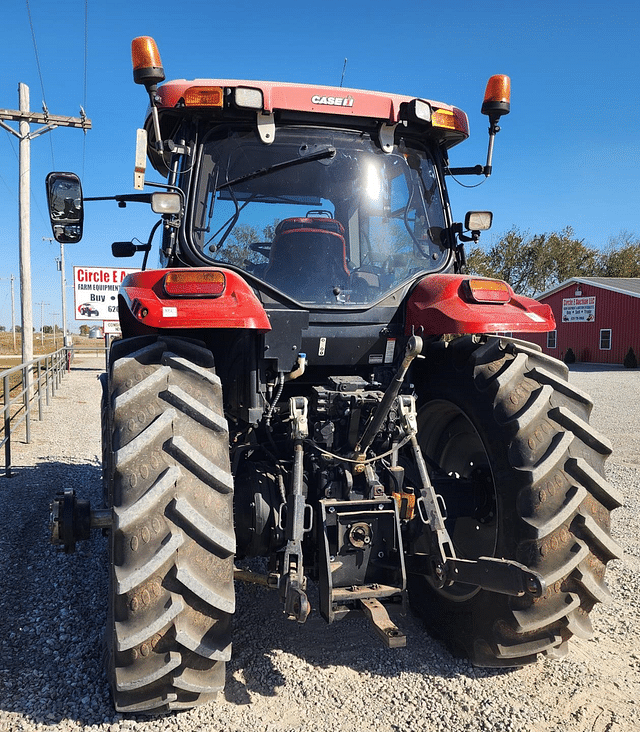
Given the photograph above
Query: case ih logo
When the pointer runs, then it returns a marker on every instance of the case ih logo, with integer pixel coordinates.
(333, 101)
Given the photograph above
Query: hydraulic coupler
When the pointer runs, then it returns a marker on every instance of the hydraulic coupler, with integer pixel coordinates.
(71, 520)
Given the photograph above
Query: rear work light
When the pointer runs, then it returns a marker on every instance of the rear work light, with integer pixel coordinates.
(204, 96)
(249, 98)
(166, 203)
(194, 284)
(488, 290)
(420, 110)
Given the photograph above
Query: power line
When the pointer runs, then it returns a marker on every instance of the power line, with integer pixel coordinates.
(49, 122)
(84, 79)
(16, 156)
(44, 98)
(44, 219)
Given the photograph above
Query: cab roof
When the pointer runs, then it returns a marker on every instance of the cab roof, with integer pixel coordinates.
(219, 98)
(277, 95)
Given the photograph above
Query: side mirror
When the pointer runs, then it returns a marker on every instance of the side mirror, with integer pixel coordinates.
(128, 248)
(123, 249)
(66, 208)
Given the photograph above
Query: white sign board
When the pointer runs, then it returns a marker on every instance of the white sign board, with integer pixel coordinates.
(96, 291)
(112, 327)
(578, 309)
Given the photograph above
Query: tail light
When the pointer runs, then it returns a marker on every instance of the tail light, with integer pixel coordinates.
(194, 284)
(204, 96)
(480, 290)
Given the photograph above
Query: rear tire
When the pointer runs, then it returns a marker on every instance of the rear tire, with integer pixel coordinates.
(172, 547)
(503, 415)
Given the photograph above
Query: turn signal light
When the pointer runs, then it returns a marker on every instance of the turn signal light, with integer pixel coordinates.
(194, 284)
(451, 119)
(203, 96)
(147, 66)
(488, 290)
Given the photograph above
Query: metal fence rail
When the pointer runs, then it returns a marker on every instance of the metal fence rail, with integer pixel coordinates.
(28, 387)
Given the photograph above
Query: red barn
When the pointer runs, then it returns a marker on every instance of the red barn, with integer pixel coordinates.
(597, 317)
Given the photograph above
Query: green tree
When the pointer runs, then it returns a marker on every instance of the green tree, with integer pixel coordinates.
(532, 264)
(85, 330)
(621, 257)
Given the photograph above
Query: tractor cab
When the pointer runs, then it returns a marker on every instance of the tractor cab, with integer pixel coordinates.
(325, 217)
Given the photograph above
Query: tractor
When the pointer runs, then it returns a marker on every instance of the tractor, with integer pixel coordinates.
(312, 377)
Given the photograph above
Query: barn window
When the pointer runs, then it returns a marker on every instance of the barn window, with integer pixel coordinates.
(552, 339)
(605, 339)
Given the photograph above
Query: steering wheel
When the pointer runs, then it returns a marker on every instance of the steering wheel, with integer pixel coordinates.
(262, 247)
(319, 212)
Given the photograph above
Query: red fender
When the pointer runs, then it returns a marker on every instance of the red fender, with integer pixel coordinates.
(237, 306)
(443, 303)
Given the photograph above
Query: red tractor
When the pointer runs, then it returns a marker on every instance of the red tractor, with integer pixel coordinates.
(311, 377)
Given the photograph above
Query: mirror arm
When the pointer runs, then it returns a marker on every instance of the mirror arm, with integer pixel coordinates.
(147, 246)
(123, 199)
(457, 230)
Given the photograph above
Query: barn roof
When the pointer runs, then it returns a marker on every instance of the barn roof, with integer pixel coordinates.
(624, 285)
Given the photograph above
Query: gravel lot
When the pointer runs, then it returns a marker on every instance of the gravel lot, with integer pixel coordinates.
(284, 677)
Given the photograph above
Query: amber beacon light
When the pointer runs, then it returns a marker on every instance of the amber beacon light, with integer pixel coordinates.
(147, 70)
(147, 66)
(497, 102)
(497, 97)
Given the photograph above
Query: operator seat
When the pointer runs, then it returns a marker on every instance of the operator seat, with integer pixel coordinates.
(307, 259)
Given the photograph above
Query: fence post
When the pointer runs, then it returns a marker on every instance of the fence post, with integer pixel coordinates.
(54, 386)
(26, 381)
(7, 426)
(47, 376)
(39, 388)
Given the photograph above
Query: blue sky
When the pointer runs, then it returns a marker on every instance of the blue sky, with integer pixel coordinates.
(567, 155)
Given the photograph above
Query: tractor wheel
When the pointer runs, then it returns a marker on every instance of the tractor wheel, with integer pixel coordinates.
(510, 449)
(172, 545)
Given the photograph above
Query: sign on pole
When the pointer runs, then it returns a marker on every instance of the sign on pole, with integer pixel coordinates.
(96, 291)
(112, 327)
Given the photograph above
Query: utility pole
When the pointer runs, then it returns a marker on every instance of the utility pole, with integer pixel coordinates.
(63, 285)
(13, 310)
(42, 304)
(49, 121)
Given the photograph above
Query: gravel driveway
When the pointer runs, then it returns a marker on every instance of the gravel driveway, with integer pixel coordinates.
(285, 677)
